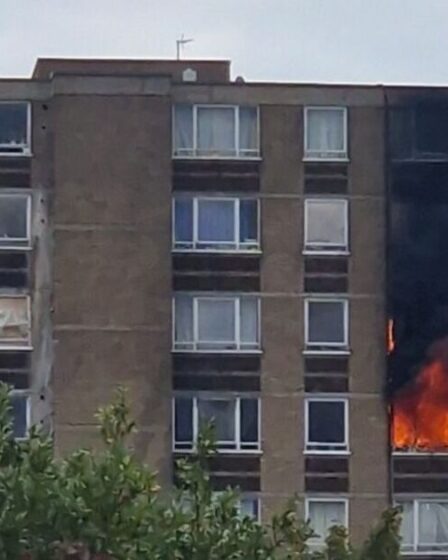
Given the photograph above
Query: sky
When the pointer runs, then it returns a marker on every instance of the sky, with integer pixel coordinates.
(373, 41)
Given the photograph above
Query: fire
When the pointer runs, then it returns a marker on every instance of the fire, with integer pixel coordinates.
(420, 410)
(390, 336)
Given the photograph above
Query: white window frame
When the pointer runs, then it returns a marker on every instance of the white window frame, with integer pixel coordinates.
(25, 394)
(239, 247)
(312, 155)
(222, 447)
(26, 148)
(330, 347)
(415, 514)
(239, 347)
(19, 243)
(312, 447)
(321, 539)
(27, 344)
(192, 153)
(325, 248)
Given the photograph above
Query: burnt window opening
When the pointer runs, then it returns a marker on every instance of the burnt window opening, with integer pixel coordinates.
(419, 132)
(14, 128)
(431, 129)
(417, 288)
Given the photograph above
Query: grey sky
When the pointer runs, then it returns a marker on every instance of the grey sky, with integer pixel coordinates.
(397, 41)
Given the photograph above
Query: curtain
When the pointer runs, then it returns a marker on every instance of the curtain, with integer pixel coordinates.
(14, 319)
(325, 130)
(407, 525)
(324, 515)
(248, 129)
(222, 414)
(248, 221)
(216, 131)
(183, 321)
(326, 223)
(326, 322)
(183, 128)
(216, 322)
(216, 221)
(433, 525)
(183, 220)
(249, 322)
(248, 507)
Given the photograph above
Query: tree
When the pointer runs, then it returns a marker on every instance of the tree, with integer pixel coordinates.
(109, 506)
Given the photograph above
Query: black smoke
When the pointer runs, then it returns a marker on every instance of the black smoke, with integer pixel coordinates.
(417, 264)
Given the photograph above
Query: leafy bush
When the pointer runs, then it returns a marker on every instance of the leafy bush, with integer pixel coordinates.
(108, 506)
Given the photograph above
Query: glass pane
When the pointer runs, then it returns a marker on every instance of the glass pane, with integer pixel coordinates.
(183, 128)
(326, 422)
(249, 507)
(249, 321)
(249, 420)
(248, 129)
(248, 221)
(14, 321)
(221, 413)
(216, 221)
(183, 319)
(326, 322)
(324, 515)
(19, 415)
(433, 525)
(325, 131)
(326, 223)
(407, 525)
(216, 320)
(13, 124)
(183, 220)
(183, 427)
(216, 131)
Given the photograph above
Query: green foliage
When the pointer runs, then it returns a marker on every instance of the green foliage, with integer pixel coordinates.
(108, 506)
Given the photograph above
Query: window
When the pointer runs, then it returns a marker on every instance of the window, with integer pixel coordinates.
(326, 225)
(15, 325)
(249, 506)
(20, 414)
(14, 128)
(216, 224)
(215, 131)
(424, 527)
(324, 514)
(14, 220)
(326, 324)
(325, 133)
(210, 323)
(326, 425)
(235, 421)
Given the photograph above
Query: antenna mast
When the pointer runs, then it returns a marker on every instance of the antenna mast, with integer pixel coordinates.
(180, 43)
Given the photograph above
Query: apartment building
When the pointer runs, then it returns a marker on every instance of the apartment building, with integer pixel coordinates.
(221, 248)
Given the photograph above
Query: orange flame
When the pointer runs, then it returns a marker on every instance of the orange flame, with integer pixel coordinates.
(390, 336)
(420, 410)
